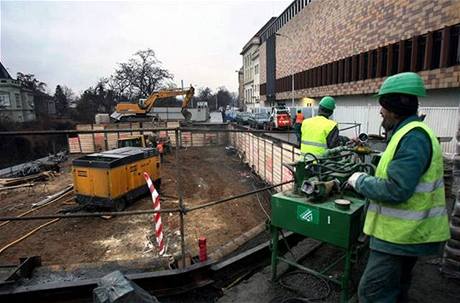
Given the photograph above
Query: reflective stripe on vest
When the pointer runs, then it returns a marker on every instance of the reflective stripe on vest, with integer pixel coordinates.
(429, 186)
(314, 144)
(423, 217)
(407, 214)
(314, 132)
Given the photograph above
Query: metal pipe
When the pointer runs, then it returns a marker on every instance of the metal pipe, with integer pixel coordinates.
(76, 132)
(140, 212)
(181, 200)
(237, 196)
(189, 129)
(95, 214)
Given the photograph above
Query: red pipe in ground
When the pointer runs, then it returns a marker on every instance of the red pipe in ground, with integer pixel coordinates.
(203, 250)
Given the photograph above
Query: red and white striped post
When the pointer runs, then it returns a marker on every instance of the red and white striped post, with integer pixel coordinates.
(156, 216)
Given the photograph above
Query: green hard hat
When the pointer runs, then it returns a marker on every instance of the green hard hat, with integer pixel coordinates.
(403, 83)
(327, 102)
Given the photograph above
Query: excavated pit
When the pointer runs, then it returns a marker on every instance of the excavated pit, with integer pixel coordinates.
(206, 173)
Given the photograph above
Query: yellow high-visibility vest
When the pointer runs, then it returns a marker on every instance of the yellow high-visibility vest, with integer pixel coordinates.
(314, 134)
(423, 217)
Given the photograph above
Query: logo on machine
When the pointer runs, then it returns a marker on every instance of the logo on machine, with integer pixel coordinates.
(307, 214)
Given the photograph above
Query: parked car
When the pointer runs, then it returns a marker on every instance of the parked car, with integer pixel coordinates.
(280, 118)
(242, 117)
(260, 119)
(230, 115)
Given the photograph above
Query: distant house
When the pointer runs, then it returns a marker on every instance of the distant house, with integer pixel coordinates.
(44, 105)
(16, 102)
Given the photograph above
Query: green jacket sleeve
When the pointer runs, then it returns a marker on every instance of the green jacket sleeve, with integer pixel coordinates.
(333, 138)
(411, 160)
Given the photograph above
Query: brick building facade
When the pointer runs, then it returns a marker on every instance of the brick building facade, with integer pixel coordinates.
(346, 48)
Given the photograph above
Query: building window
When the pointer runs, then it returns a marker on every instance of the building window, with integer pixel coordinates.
(421, 47)
(384, 58)
(433, 50)
(454, 45)
(394, 59)
(18, 100)
(371, 67)
(436, 52)
(407, 56)
(5, 100)
(256, 69)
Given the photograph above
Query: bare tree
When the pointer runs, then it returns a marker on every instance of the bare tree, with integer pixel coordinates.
(140, 76)
(68, 93)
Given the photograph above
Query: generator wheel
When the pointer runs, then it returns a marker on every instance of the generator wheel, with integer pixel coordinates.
(120, 204)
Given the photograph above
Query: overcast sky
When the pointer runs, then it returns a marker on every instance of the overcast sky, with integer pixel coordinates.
(75, 43)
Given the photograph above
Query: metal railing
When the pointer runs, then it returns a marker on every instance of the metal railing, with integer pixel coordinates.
(182, 210)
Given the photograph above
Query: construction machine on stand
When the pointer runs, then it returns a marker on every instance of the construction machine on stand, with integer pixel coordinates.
(322, 206)
(141, 111)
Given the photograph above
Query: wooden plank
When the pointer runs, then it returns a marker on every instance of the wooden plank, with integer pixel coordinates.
(99, 138)
(84, 127)
(112, 138)
(148, 125)
(135, 125)
(186, 139)
(74, 145)
(172, 133)
(198, 139)
(86, 140)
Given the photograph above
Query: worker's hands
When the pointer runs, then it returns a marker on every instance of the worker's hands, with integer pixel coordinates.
(354, 178)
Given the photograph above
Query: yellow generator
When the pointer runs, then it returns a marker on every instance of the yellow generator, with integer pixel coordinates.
(111, 179)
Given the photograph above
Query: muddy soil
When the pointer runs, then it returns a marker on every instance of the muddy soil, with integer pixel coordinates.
(206, 174)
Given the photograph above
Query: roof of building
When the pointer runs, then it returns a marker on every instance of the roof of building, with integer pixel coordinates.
(257, 35)
(4, 73)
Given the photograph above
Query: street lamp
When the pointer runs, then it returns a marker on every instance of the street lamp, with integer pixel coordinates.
(292, 74)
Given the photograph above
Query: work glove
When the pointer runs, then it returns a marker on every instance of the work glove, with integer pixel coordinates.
(354, 178)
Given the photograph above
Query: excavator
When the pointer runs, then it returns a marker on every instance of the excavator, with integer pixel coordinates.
(139, 112)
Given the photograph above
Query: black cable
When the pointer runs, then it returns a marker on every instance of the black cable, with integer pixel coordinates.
(287, 245)
(301, 296)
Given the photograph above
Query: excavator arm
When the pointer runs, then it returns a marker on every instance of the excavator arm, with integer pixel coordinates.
(142, 108)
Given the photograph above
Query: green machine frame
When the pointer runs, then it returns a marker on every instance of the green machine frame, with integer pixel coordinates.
(321, 221)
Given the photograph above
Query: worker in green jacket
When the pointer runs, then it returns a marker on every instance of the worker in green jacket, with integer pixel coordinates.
(406, 217)
(320, 133)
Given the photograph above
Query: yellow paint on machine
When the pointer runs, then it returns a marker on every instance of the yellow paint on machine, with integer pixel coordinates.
(115, 174)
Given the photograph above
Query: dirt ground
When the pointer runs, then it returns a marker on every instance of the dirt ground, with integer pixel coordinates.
(206, 174)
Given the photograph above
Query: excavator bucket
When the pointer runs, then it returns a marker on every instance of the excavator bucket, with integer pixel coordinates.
(187, 115)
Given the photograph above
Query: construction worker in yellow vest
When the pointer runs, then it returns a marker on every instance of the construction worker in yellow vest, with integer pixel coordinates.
(320, 133)
(407, 216)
